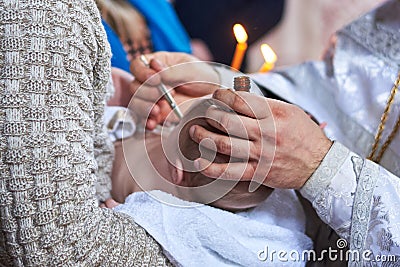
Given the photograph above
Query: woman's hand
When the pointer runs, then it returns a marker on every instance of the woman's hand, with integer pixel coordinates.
(188, 77)
(280, 147)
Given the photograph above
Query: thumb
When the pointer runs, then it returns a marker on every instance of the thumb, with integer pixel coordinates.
(157, 65)
(111, 203)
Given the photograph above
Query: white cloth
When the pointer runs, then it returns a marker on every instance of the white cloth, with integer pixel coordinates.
(119, 122)
(359, 200)
(199, 235)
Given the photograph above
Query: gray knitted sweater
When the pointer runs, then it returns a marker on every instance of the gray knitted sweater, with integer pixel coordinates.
(54, 71)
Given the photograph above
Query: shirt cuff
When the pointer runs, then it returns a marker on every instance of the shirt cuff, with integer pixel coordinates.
(323, 175)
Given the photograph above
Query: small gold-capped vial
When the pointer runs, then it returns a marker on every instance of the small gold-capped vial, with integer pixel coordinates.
(241, 83)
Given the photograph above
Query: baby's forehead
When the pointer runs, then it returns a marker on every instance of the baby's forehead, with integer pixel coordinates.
(196, 114)
(199, 108)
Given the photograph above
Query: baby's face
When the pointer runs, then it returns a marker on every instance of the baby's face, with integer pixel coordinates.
(239, 198)
(234, 195)
(179, 145)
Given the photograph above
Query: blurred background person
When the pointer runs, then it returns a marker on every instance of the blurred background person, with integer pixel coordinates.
(305, 29)
(137, 27)
(210, 22)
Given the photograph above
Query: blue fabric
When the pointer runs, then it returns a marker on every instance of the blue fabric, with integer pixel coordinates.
(167, 33)
(119, 56)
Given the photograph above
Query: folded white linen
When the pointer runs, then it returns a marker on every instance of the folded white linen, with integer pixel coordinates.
(193, 234)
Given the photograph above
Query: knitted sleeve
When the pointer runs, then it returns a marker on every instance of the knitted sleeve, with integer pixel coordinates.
(103, 148)
(54, 67)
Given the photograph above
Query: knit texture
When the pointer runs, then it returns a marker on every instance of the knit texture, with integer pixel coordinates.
(54, 75)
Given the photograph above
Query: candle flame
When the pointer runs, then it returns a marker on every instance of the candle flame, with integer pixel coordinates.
(240, 33)
(268, 54)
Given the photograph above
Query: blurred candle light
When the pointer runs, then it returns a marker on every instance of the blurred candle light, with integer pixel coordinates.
(241, 47)
(269, 58)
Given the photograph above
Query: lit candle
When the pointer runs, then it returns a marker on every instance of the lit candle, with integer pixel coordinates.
(241, 38)
(269, 58)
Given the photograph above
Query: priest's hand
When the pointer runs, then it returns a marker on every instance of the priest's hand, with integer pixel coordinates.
(278, 144)
(186, 75)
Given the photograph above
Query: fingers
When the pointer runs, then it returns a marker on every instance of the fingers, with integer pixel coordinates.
(144, 98)
(178, 70)
(245, 103)
(143, 73)
(151, 124)
(157, 62)
(156, 65)
(143, 108)
(233, 124)
(227, 145)
(148, 103)
(243, 171)
(145, 91)
(186, 74)
(149, 112)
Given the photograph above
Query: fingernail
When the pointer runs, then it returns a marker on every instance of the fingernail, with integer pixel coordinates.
(148, 75)
(192, 130)
(149, 110)
(197, 164)
(155, 110)
(157, 65)
(151, 124)
(216, 93)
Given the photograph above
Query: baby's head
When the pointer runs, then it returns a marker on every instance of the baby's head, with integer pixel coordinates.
(194, 186)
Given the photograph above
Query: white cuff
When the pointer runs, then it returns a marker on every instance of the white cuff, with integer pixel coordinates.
(323, 175)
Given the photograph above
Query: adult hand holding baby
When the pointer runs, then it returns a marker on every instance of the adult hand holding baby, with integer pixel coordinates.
(199, 79)
(281, 146)
(285, 145)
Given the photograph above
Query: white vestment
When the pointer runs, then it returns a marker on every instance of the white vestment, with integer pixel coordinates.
(359, 199)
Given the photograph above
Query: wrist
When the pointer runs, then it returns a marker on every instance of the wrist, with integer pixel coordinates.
(325, 171)
(317, 157)
(320, 153)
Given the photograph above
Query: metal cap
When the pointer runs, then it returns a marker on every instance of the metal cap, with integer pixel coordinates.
(241, 83)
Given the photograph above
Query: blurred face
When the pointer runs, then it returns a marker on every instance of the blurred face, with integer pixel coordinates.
(239, 198)
(179, 147)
